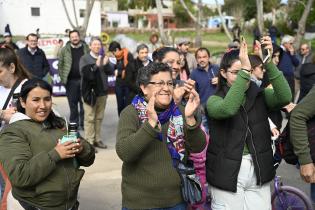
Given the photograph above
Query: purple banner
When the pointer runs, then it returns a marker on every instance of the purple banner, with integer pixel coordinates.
(58, 88)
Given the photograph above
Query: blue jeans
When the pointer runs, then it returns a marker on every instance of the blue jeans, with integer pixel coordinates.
(181, 206)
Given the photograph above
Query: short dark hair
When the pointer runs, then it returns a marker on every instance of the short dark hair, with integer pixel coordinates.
(113, 46)
(160, 54)
(141, 47)
(31, 34)
(145, 73)
(202, 49)
(255, 60)
(52, 120)
(74, 31)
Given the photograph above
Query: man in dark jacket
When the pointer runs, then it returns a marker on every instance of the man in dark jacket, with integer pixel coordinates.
(34, 58)
(131, 75)
(288, 61)
(94, 69)
(68, 69)
(125, 62)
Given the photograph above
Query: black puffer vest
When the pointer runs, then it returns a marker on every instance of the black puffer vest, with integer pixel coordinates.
(228, 137)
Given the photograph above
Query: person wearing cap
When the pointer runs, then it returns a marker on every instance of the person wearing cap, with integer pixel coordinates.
(183, 47)
(288, 61)
(8, 41)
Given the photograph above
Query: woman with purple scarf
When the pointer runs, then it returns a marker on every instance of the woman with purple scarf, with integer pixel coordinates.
(154, 134)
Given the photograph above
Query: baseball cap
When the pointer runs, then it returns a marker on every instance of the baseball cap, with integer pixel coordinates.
(6, 34)
(182, 41)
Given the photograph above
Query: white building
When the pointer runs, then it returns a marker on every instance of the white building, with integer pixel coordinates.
(25, 16)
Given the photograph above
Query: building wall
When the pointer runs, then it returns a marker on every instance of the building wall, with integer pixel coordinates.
(121, 18)
(52, 19)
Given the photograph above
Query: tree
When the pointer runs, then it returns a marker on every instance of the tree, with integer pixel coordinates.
(163, 36)
(227, 33)
(122, 5)
(87, 13)
(182, 11)
(260, 15)
(302, 23)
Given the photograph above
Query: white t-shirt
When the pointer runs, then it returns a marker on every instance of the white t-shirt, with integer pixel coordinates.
(4, 92)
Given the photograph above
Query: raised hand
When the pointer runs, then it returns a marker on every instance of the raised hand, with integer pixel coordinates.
(244, 55)
(267, 43)
(152, 115)
(191, 106)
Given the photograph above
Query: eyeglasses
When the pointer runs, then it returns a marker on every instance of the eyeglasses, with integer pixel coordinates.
(160, 84)
(302, 49)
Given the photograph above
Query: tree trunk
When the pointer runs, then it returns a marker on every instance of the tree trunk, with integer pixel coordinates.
(88, 10)
(198, 41)
(273, 16)
(260, 16)
(227, 33)
(302, 23)
(75, 13)
(67, 14)
(189, 12)
(163, 36)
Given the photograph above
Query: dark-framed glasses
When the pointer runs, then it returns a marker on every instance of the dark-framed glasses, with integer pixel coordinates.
(161, 83)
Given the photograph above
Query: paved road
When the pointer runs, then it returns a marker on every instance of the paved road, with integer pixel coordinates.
(100, 187)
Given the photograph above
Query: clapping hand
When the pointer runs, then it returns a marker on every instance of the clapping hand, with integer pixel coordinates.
(191, 107)
(152, 115)
(183, 91)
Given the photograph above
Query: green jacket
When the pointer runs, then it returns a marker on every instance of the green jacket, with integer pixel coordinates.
(65, 61)
(35, 169)
(149, 179)
(304, 111)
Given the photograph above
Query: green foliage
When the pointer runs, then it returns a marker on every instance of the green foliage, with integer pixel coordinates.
(142, 4)
(122, 4)
(181, 16)
(296, 10)
(270, 4)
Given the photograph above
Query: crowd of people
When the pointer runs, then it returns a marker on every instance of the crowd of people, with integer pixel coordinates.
(169, 105)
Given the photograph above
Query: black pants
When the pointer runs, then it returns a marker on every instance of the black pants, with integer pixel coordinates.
(122, 93)
(27, 206)
(290, 80)
(73, 89)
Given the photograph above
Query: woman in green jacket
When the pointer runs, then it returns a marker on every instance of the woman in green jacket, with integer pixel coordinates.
(44, 172)
(239, 159)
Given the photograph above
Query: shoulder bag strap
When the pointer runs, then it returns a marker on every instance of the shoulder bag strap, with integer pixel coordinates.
(16, 84)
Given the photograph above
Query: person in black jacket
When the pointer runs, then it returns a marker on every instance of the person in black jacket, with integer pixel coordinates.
(125, 62)
(131, 75)
(34, 58)
(94, 69)
(307, 77)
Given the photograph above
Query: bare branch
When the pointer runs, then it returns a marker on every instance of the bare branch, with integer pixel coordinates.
(302, 23)
(67, 14)
(75, 14)
(223, 21)
(88, 10)
(189, 12)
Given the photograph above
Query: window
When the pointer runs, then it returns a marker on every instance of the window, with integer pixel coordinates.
(82, 13)
(35, 11)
